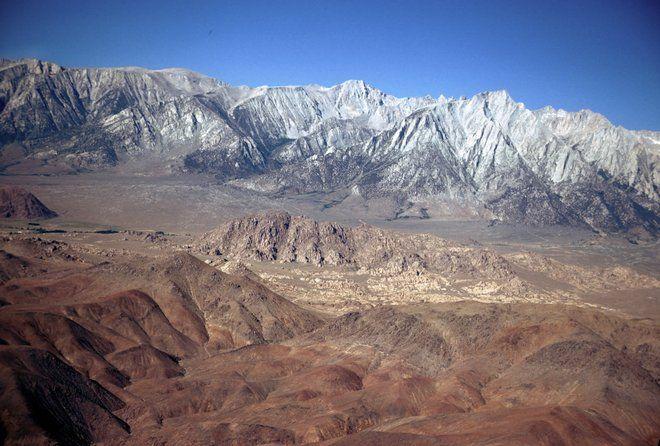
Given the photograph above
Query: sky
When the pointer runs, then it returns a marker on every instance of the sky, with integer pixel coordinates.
(602, 55)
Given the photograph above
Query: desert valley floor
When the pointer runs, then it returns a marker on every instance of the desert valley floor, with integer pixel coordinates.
(178, 311)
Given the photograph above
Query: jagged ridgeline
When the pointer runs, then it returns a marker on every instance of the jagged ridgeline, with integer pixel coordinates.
(489, 152)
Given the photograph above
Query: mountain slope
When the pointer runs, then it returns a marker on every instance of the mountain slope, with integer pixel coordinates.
(494, 150)
(111, 347)
(542, 166)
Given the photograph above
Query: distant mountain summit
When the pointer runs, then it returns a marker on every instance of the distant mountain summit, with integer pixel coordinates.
(16, 202)
(488, 152)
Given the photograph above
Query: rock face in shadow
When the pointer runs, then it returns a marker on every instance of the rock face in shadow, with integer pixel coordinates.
(127, 349)
(46, 400)
(16, 202)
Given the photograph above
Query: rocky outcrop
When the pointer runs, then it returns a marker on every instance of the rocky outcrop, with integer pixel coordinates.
(279, 236)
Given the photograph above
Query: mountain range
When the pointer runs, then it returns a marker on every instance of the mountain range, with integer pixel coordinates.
(488, 153)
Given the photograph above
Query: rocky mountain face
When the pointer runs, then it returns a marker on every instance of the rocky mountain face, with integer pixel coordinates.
(542, 166)
(281, 237)
(16, 202)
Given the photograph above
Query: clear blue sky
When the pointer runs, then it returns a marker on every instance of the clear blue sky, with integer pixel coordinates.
(603, 55)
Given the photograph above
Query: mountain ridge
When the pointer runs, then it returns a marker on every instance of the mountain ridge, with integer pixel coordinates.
(543, 166)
